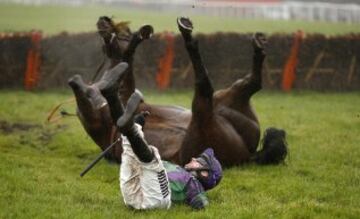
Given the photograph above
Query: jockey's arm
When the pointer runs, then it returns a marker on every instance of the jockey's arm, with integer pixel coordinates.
(197, 198)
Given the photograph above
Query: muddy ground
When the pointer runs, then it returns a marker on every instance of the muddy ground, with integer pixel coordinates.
(30, 133)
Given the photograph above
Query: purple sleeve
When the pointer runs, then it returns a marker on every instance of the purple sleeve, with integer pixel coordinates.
(195, 194)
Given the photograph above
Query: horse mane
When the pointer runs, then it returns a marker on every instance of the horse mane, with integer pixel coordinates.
(122, 27)
(274, 147)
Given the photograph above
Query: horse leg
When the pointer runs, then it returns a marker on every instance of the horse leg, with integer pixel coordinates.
(128, 85)
(94, 115)
(210, 125)
(239, 93)
(145, 32)
(202, 104)
(112, 48)
(122, 49)
(234, 102)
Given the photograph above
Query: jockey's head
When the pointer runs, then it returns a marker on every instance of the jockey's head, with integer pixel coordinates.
(206, 168)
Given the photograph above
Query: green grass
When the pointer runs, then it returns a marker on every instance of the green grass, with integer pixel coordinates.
(39, 168)
(54, 19)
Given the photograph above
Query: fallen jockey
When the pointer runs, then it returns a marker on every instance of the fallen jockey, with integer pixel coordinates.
(147, 182)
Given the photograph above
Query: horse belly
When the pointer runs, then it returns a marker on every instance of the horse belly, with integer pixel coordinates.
(166, 139)
(165, 128)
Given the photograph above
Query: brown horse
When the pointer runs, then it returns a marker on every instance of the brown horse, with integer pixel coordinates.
(169, 122)
(223, 120)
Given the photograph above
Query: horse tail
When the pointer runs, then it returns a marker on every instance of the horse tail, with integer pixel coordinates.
(274, 147)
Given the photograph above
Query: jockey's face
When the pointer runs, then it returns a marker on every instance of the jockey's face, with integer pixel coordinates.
(196, 168)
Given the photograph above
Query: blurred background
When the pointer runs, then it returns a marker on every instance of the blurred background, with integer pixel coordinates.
(333, 11)
(306, 39)
(321, 10)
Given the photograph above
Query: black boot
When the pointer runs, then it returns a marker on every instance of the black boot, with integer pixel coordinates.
(109, 87)
(127, 127)
(109, 82)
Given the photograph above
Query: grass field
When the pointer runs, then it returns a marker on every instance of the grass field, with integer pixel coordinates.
(40, 163)
(54, 19)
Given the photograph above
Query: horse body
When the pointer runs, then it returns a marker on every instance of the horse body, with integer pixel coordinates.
(233, 134)
(223, 120)
(165, 128)
(94, 115)
(218, 134)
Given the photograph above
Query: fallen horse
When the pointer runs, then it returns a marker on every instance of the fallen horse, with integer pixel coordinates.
(120, 45)
(223, 120)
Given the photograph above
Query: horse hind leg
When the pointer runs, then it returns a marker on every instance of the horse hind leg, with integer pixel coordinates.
(122, 50)
(144, 32)
(202, 102)
(128, 85)
(240, 92)
(233, 103)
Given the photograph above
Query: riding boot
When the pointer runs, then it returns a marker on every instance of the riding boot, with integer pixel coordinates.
(109, 87)
(133, 132)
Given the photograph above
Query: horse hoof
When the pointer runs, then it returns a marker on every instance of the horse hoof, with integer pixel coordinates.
(95, 98)
(146, 31)
(259, 41)
(185, 25)
(104, 24)
(75, 82)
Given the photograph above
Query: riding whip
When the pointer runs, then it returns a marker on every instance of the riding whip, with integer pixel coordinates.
(98, 158)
